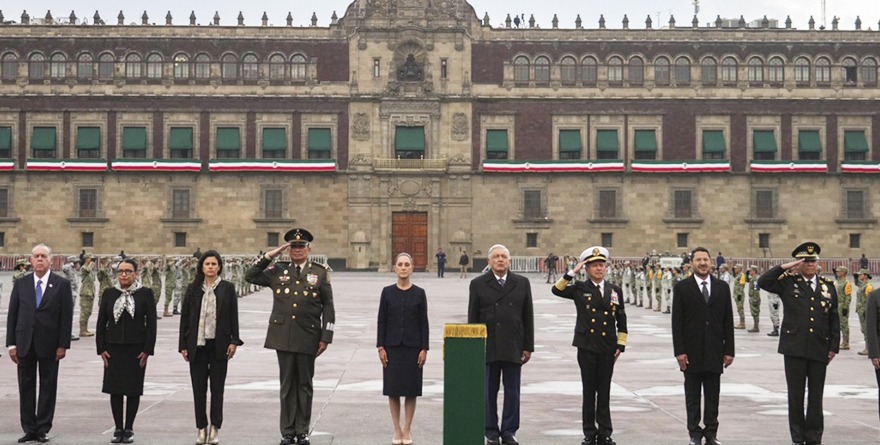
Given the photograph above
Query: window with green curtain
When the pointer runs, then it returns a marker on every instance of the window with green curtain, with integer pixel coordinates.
(180, 142)
(409, 139)
(570, 140)
(5, 142)
(274, 139)
(855, 141)
(606, 140)
(713, 141)
(497, 144)
(88, 142)
(764, 141)
(809, 142)
(645, 140)
(320, 143)
(134, 138)
(228, 142)
(43, 142)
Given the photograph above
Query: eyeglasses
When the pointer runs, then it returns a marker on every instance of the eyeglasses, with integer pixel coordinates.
(125, 272)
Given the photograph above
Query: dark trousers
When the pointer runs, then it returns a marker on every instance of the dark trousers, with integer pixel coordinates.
(296, 371)
(801, 373)
(509, 374)
(708, 385)
(877, 371)
(441, 269)
(204, 367)
(596, 371)
(37, 415)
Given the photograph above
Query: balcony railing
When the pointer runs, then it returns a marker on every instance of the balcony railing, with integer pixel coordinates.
(391, 164)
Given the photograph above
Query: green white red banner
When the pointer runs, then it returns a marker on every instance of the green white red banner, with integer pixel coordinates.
(562, 166)
(788, 167)
(156, 165)
(860, 167)
(680, 166)
(304, 165)
(66, 165)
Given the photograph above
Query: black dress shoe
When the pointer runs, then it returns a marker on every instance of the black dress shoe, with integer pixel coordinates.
(509, 440)
(128, 436)
(117, 437)
(41, 437)
(712, 441)
(604, 440)
(28, 437)
(288, 439)
(494, 441)
(696, 440)
(302, 439)
(589, 441)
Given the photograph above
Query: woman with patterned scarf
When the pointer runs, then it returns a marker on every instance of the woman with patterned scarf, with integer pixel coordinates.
(126, 337)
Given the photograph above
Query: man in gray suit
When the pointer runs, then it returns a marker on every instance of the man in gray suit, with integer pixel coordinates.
(502, 300)
(38, 336)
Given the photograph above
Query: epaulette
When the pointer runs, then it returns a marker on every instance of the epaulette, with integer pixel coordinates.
(826, 280)
(322, 265)
(787, 273)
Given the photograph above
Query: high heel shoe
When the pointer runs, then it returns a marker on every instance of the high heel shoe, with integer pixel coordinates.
(406, 441)
(213, 436)
(396, 441)
(203, 436)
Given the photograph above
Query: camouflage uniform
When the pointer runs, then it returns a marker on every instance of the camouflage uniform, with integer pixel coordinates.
(739, 284)
(774, 303)
(754, 297)
(658, 288)
(844, 294)
(169, 285)
(155, 282)
(640, 287)
(86, 296)
(68, 270)
(105, 280)
(865, 289)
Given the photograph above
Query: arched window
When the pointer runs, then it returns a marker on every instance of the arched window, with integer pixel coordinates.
(37, 66)
(869, 72)
(521, 69)
(709, 71)
(661, 71)
(849, 72)
(615, 69)
(229, 67)
(542, 69)
(568, 69)
(298, 67)
(250, 68)
(802, 70)
(729, 70)
(106, 66)
(58, 66)
(9, 67)
(154, 66)
(133, 66)
(682, 71)
(636, 75)
(589, 71)
(181, 66)
(756, 70)
(276, 67)
(823, 70)
(85, 66)
(202, 66)
(776, 70)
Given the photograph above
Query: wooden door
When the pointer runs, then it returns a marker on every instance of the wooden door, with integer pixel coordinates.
(409, 233)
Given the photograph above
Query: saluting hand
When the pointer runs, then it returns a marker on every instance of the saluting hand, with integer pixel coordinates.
(277, 251)
(578, 267)
(791, 264)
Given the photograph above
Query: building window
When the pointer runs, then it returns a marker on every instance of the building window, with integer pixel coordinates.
(180, 143)
(542, 69)
(714, 145)
(855, 240)
(850, 71)
(497, 144)
(181, 66)
(276, 70)
(756, 70)
(376, 68)
(43, 142)
(681, 240)
(856, 207)
(444, 69)
(521, 69)
(88, 239)
(133, 66)
(106, 66)
(250, 69)
(764, 204)
(776, 71)
(88, 142)
(607, 144)
(228, 143)
(823, 70)
(202, 66)
(5, 209)
(179, 239)
(272, 239)
(608, 206)
(615, 69)
(5, 142)
(180, 204)
(607, 240)
(274, 143)
(532, 205)
(763, 240)
(531, 240)
(273, 207)
(37, 66)
(764, 145)
(809, 145)
(229, 67)
(868, 72)
(154, 66)
(682, 71)
(87, 204)
(58, 66)
(683, 204)
(729, 70)
(134, 142)
(855, 145)
(589, 71)
(709, 71)
(85, 67)
(636, 74)
(409, 142)
(298, 67)
(570, 145)
(661, 71)
(645, 144)
(802, 70)
(320, 143)
(9, 67)
(568, 70)
(2, 239)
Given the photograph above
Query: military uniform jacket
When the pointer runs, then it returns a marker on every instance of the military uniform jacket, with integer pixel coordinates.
(810, 324)
(601, 319)
(302, 306)
(739, 283)
(88, 280)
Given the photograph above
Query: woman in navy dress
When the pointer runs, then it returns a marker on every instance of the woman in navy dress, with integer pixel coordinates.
(403, 345)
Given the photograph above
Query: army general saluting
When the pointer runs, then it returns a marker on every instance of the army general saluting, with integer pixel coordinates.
(300, 327)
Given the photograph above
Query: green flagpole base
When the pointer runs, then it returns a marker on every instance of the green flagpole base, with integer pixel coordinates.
(464, 387)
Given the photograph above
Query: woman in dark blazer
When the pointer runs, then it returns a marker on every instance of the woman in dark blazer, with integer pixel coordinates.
(403, 344)
(208, 340)
(125, 337)
(872, 331)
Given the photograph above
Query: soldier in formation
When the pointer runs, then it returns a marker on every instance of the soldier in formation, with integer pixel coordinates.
(70, 270)
(87, 294)
(865, 288)
(739, 284)
(844, 289)
(754, 297)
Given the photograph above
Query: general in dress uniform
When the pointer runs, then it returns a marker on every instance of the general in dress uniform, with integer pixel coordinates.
(300, 326)
(809, 337)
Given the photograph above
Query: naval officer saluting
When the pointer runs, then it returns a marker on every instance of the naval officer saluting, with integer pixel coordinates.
(300, 326)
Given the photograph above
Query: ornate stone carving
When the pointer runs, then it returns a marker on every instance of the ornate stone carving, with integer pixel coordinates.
(410, 70)
(409, 204)
(409, 187)
(392, 189)
(381, 7)
(360, 159)
(460, 160)
(359, 186)
(360, 127)
(460, 128)
(448, 8)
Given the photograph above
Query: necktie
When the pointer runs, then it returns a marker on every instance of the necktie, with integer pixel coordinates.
(501, 282)
(39, 291)
(813, 285)
(298, 270)
(705, 292)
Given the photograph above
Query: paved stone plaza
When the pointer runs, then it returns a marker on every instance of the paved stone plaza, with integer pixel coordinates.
(647, 396)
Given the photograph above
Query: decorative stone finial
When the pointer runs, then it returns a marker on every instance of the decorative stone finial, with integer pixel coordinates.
(508, 21)
(96, 19)
(742, 22)
(334, 19)
(49, 19)
(578, 23)
(71, 18)
(240, 19)
(145, 19)
(25, 18)
(289, 19)
(216, 18)
(788, 22)
(765, 23)
(625, 22)
(695, 23)
(671, 21)
(192, 18)
(168, 19)
(265, 19)
(812, 23)
(555, 22)
(314, 19)
(120, 19)
(486, 19)
(648, 22)
(601, 21)
(718, 21)
(858, 23)
(532, 21)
